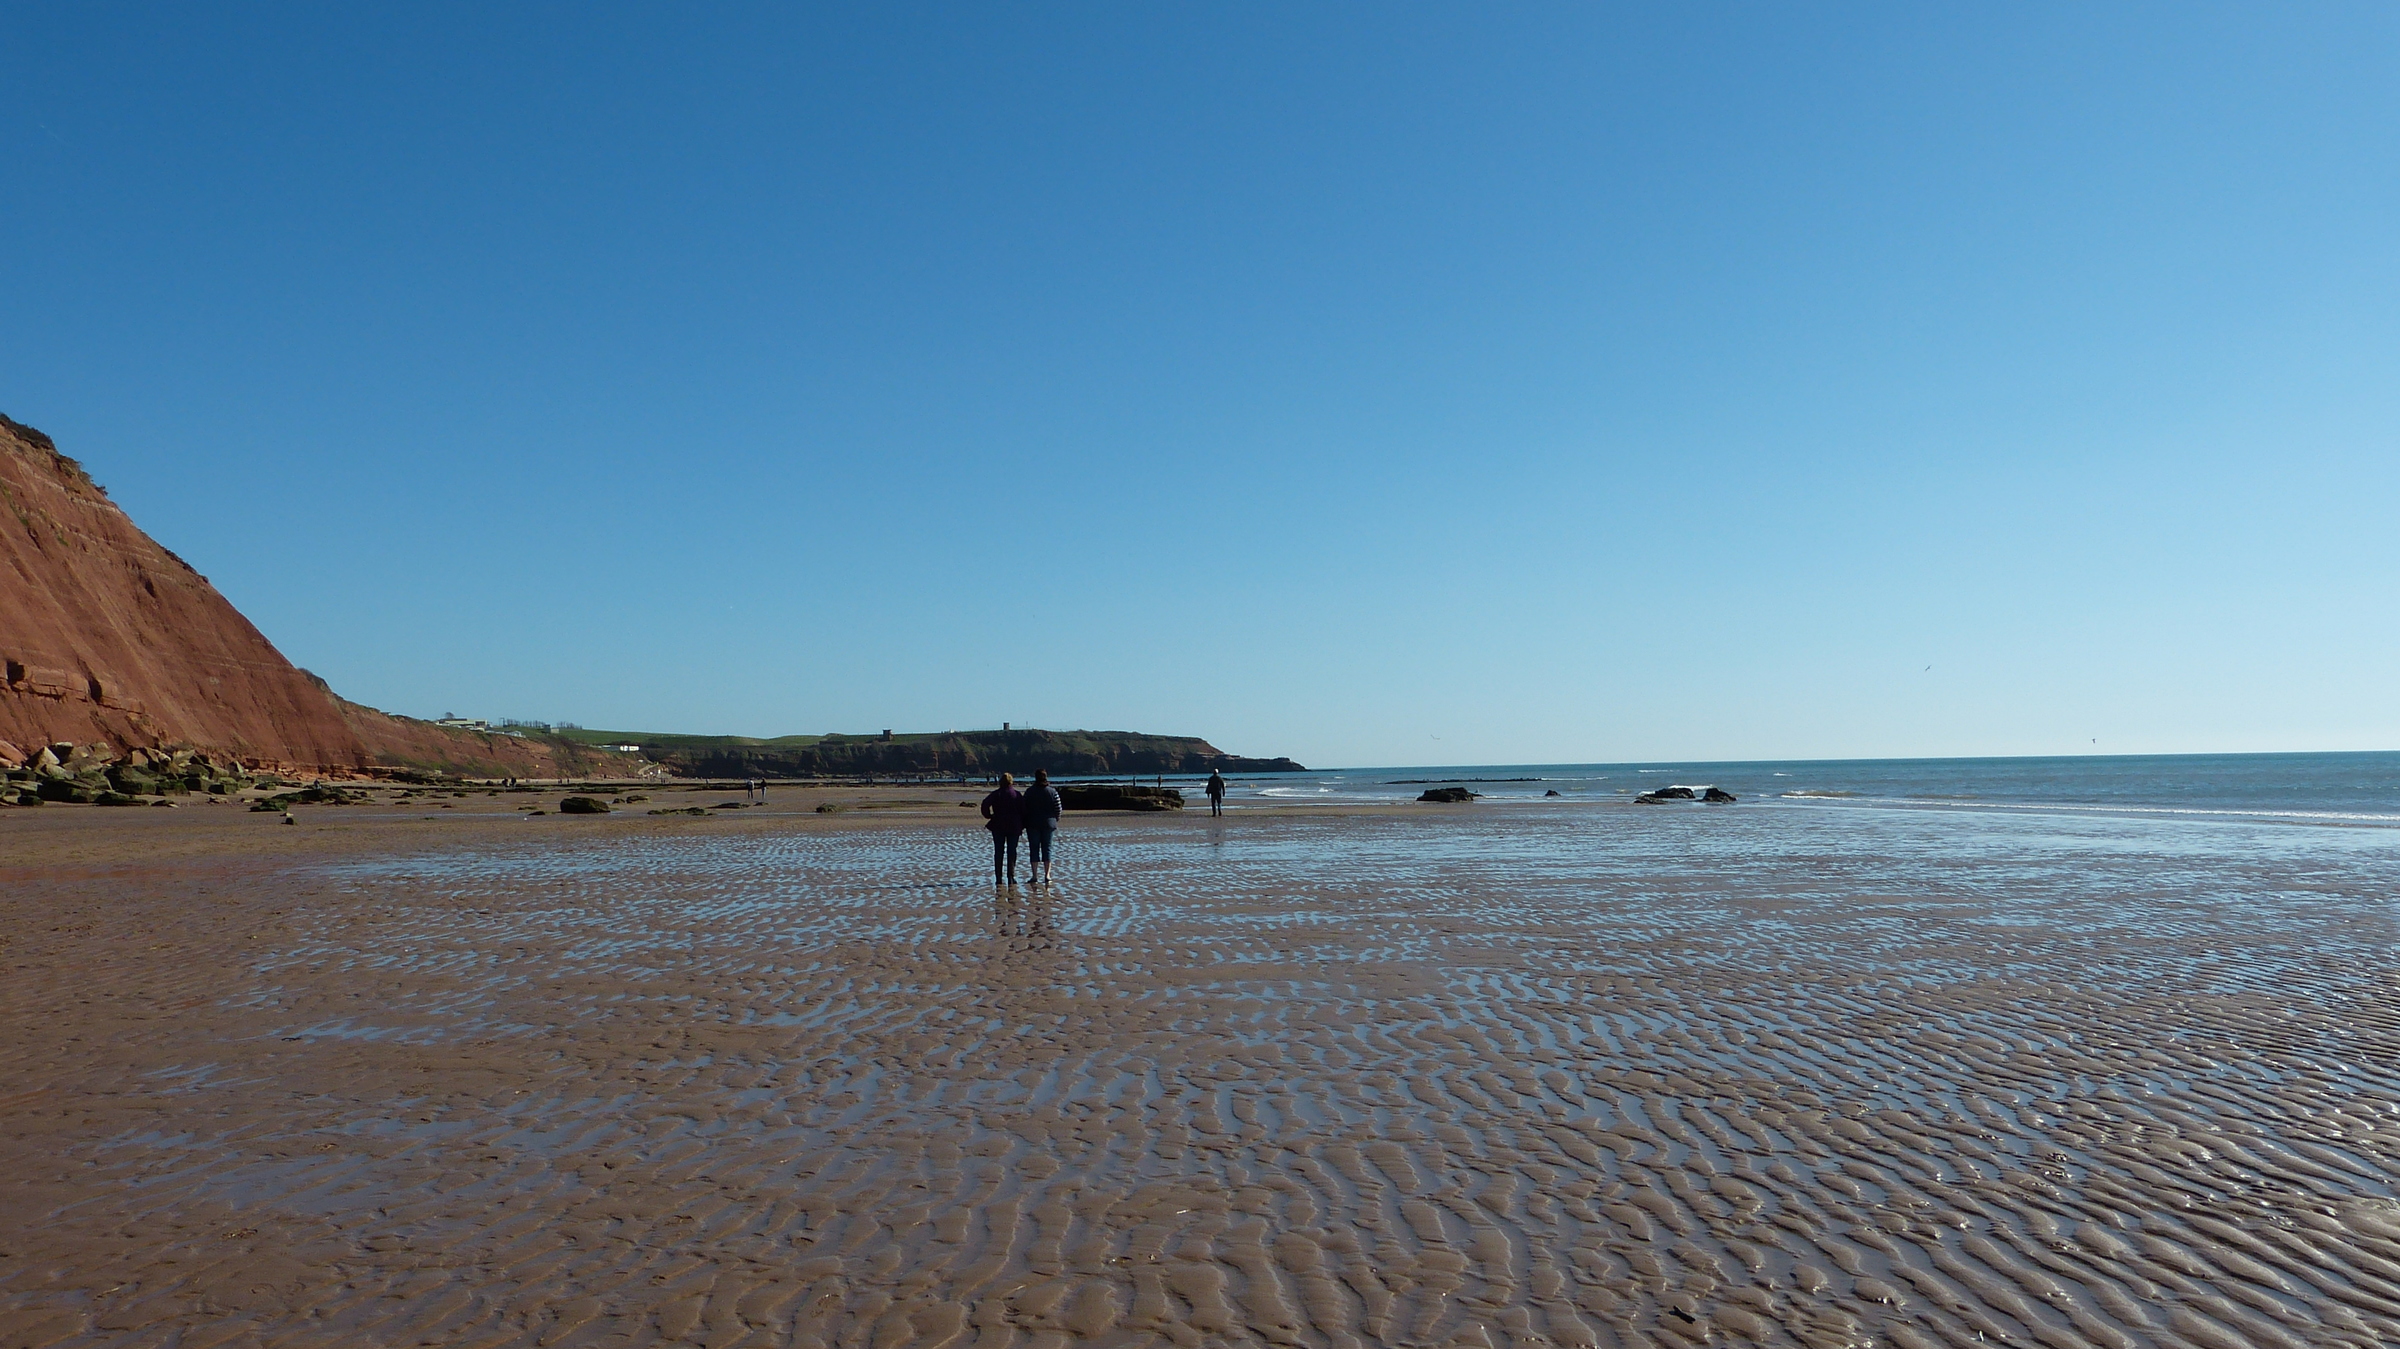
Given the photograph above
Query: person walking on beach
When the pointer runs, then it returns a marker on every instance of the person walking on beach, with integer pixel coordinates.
(1043, 806)
(1004, 815)
(1216, 792)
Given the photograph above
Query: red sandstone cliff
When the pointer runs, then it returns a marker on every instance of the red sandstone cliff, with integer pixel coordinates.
(106, 636)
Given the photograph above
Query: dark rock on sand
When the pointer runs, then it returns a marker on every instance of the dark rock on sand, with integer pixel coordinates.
(1666, 794)
(1112, 796)
(1720, 796)
(583, 805)
(1552, 792)
(319, 795)
(1448, 795)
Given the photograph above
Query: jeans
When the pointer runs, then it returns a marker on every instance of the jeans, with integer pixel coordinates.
(1004, 854)
(1039, 839)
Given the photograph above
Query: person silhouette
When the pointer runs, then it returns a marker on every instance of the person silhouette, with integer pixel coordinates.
(1004, 815)
(1043, 806)
(1216, 792)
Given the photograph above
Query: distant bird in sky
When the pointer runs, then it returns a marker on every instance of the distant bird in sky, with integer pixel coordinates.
(1928, 667)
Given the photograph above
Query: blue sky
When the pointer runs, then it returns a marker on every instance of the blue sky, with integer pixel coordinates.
(1369, 384)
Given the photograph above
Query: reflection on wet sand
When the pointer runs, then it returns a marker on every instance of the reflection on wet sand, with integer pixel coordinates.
(1022, 919)
(1783, 1077)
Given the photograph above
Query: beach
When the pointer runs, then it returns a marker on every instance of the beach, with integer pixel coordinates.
(1505, 1074)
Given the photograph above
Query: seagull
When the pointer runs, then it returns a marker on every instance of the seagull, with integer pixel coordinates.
(1928, 667)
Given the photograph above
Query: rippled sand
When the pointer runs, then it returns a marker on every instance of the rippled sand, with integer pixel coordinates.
(1440, 1077)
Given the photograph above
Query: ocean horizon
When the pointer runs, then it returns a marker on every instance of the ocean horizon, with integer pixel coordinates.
(2355, 786)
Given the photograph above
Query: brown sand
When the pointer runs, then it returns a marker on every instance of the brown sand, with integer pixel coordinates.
(785, 1078)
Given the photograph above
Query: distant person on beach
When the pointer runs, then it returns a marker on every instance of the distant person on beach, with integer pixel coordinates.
(1004, 815)
(1043, 806)
(1216, 792)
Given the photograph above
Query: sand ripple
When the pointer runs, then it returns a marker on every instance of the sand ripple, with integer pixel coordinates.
(1538, 1080)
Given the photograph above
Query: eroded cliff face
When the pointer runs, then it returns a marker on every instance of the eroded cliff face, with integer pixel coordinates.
(108, 638)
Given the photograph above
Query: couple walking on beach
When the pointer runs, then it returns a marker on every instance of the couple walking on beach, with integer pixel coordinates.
(1033, 813)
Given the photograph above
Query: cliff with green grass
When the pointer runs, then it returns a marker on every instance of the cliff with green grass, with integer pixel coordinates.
(930, 754)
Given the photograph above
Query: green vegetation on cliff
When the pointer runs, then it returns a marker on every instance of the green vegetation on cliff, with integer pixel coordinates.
(937, 753)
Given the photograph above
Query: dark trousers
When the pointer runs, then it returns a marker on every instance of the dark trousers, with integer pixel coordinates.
(1004, 854)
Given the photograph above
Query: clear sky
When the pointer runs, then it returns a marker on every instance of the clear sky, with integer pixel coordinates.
(1364, 383)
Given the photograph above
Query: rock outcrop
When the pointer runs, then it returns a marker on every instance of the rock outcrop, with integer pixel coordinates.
(1712, 795)
(107, 638)
(1452, 796)
(1111, 796)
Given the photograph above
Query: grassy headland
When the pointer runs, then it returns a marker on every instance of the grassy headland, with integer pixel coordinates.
(925, 753)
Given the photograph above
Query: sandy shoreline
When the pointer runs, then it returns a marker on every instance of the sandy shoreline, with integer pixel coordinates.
(1318, 1077)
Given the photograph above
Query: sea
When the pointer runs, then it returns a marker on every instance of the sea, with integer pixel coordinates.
(2331, 788)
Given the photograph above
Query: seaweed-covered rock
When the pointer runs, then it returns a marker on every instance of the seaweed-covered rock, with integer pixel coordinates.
(92, 758)
(1112, 796)
(319, 795)
(1652, 798)
(1718, 796)
(583, 805)
(1455, 796)
(67, 789)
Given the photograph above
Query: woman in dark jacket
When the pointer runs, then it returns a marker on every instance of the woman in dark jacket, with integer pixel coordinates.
(1043, 806)
(1004, 815)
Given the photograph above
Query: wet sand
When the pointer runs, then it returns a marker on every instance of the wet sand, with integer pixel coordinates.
(1407, 1076)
